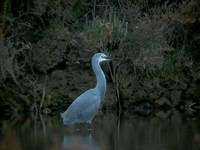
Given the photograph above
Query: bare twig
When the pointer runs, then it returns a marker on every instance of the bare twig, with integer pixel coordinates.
(116, 83)
(43, 94)
(34, 97)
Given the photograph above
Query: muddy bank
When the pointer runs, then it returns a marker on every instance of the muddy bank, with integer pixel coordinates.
(54, 92)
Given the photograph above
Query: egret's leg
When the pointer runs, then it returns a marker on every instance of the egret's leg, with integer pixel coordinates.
(89, 126)
(77, 128)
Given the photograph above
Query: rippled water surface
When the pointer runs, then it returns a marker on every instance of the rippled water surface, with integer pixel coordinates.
(109, 132)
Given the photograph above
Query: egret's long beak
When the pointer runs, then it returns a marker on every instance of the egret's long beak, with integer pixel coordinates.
(108, 58)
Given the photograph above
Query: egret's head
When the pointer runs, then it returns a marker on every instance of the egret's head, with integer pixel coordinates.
(100, 57)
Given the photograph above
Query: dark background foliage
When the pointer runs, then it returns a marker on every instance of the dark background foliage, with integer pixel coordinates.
(46, 47)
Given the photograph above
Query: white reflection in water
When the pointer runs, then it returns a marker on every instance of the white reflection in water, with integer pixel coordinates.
(80, 143)
(109, 132)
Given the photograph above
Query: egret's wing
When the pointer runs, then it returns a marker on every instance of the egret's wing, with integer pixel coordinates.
(83, 108)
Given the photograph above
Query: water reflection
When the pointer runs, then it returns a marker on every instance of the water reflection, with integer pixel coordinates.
(80, 143)
(109, 132)
(81, 139)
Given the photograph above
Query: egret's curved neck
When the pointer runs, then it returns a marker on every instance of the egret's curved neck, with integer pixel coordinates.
(101, 80)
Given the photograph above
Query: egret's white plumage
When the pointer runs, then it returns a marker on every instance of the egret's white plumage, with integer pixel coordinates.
(85, 107)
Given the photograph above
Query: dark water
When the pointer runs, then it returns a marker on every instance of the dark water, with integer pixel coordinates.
(109, 132)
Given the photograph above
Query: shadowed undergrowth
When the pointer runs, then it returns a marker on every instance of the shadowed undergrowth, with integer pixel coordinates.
(46, 46)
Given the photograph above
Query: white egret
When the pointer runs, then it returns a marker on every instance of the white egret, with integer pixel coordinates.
(85, 107)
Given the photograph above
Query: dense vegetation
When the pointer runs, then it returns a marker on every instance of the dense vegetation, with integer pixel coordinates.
(46, 47)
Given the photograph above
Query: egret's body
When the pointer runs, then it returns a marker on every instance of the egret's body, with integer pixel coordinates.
(85, 107)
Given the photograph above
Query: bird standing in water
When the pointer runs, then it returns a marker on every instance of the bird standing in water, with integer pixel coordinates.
(85, 107)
